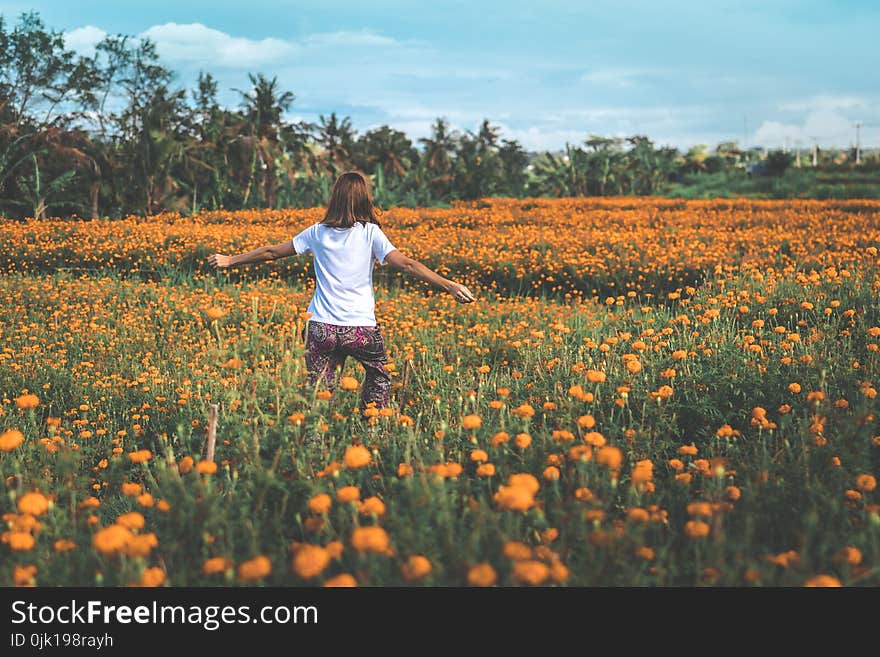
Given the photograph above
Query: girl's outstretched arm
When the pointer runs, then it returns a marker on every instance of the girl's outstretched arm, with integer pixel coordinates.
(409, 266)
(261, 254)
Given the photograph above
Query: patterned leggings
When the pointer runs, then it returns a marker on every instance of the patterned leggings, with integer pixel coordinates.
(327, 347)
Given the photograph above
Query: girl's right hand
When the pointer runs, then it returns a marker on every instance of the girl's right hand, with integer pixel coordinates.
(460, 293)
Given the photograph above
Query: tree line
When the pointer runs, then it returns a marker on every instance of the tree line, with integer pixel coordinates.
(110, 134)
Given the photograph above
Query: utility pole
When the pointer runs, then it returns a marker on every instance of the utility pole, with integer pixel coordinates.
(815, 150)
(797, 150)
(858, 142)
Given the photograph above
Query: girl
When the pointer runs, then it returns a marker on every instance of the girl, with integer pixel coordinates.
(342, 321)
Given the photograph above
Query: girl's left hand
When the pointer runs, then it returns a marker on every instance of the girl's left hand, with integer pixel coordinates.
(218, 260)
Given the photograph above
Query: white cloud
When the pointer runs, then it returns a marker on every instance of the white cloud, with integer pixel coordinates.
(349, 39)
(196, 43)
(84, 39)
(825, 127)
(823, 102)
(612, 77)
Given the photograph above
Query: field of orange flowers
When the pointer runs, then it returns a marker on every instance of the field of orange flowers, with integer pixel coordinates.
(647, 392)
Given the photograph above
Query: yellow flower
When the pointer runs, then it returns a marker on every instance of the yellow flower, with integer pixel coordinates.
(215, 313)
(348, 383)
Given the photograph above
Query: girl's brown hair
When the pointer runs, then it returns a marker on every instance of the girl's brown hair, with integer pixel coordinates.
(350, 202)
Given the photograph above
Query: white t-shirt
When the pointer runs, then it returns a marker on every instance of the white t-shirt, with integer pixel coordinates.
(344, 271)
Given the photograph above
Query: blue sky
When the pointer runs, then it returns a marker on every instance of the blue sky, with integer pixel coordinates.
(548, 72)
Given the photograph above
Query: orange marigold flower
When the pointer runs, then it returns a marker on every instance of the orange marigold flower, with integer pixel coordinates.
(26, 402)
(254, 569)
(586, 421)
(206, 467)
(348, 494)
(551, 473)
(524, 411)
(111, 540)
(348, 383)
(471, 422)
(522, 440)
(610, 457)
(415, 568)
(486, 470)
(370, 539)
(153, 577)
(140, 456)
(696, 529)
(482, 574)
(645, 553)
(342, 580)
(24, 575)
(372, 506)
(849, 555)
(478, 456)
(595, 376)
(357, 456)
(526, 480)
(864, 482)
(132, 520)
(533, 573)
(63, 545)
(10, 439)
(516, 551)
(131, 489)
(310, 561)
(514, 498)
(216, 565)
(320, 503)
(823, 581)
(404, 470)
(18, 541)
(36, 504)
(186, 465)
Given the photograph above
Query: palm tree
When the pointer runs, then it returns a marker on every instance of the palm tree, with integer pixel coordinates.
(387, 148)
(337, 137)
(437, 158)
(263, 108)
